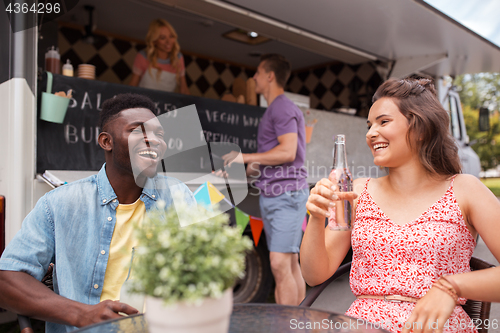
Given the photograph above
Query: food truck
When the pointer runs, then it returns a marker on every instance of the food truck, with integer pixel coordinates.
(340, 52)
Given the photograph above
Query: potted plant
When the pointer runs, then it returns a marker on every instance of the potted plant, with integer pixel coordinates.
(187, 271)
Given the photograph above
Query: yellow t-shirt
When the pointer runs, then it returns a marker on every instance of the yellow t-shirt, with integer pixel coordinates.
(120, 249)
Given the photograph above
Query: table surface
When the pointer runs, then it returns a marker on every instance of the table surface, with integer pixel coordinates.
(259, 318)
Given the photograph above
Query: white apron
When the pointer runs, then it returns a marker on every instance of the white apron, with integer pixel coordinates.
(167, 81)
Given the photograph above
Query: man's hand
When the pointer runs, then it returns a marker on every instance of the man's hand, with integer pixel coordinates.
(233, 157)
(220, 173)
(23, 294)
(104, 310)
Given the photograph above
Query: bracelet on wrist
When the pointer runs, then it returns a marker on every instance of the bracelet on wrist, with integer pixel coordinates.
(448, 279)
(450, 291)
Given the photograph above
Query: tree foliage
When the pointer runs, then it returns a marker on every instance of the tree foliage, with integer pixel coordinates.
(478, 90)
(481, 90)
(485, 144)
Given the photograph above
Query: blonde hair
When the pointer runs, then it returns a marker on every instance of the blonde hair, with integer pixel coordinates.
(151, 52)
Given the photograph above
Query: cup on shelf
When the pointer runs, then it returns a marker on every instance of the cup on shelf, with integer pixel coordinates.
(86, 71)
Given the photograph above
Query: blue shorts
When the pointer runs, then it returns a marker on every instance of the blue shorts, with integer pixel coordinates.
(283, 217)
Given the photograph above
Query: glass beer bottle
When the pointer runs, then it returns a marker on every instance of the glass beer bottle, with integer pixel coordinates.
(342, 214)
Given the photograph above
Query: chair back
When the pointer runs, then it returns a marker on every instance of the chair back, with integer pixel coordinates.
(479, 311)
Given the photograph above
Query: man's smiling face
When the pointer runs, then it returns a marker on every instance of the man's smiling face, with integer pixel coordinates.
(138, 142)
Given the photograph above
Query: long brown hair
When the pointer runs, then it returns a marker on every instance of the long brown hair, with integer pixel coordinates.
(428, 131)
(151, 52)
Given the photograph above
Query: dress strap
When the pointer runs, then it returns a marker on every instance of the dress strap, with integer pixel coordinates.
(366, 184)
(452, 180)
(365, 188)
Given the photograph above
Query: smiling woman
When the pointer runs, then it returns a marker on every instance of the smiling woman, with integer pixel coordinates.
(415, 229)
(161, 65)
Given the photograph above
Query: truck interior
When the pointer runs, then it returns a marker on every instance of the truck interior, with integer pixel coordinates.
(404, 37)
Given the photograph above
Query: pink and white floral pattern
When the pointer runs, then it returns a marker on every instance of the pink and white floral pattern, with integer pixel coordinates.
(392, 259)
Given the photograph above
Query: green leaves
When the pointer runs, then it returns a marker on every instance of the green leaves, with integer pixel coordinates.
(188, 263)
(481, 89)
(477, 90)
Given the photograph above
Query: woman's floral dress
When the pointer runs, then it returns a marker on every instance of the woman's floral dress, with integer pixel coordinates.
(392, 259)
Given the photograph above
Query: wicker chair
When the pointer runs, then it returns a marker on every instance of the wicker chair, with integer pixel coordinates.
(477, 310)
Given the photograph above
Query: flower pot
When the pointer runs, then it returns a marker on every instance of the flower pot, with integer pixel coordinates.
(212, 316)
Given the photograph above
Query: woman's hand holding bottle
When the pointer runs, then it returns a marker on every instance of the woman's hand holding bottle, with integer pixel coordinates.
(321, 199)
(324, 196)
(334, 197)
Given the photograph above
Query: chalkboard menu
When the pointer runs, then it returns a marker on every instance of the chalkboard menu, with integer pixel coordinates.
(73, 145)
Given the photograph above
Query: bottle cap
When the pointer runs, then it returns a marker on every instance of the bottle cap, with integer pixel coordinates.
(68, 65)
(340, 138)
(67, 68)
(52, 53)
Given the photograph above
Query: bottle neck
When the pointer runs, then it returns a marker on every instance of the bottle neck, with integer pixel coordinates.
(339, 156)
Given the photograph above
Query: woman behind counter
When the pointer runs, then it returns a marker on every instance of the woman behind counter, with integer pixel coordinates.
(161, 65)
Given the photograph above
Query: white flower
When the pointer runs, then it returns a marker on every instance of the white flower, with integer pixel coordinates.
(157, 291)
(213, 261)
(161, 204)
(233, 267)
(164, 273)
(164, 238)
(203, 235)
(160, 259)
